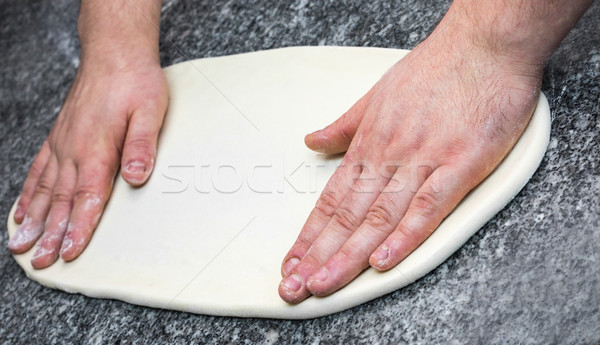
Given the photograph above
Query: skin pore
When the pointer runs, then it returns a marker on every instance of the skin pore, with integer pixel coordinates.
(431, 129)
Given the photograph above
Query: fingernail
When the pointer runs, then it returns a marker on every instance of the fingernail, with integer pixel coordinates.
(382, 254)
(292, 283)
(289, 265)
(19, 212)
(322, 275)
(135, 167)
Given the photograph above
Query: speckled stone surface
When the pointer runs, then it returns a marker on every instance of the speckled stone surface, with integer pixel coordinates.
(530, 276)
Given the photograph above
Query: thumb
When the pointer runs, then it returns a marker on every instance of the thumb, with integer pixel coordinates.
(336, 137)
(139, 150)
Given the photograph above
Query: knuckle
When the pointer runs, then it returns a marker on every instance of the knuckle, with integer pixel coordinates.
(87, 193)
(327, 204)
(380, 216)
(347, 254)
(43, 187)
(301, 245)
(60, 196)
(408, 235)
(97, 174)
(353, 253)
(309, 260)
(141, 148)
(346, 218)
(139, 143)
(427, 203)
(346, 132)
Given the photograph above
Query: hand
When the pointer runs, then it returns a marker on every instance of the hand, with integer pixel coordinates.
(428, 132)
(112, 114)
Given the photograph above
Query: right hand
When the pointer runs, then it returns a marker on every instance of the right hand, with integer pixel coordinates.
(112, 115)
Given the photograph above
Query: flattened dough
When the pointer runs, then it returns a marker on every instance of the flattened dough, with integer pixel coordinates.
(234, 183)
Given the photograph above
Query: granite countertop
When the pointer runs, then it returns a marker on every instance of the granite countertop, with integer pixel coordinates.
(530, 275)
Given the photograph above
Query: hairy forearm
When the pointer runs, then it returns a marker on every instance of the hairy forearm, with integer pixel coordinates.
(524, 30)
(119, 30)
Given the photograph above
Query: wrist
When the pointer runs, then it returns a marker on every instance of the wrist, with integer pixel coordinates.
(458, 47)
(451, 54)
(118, 54)
(119, 33)
(522, 31)
(495, 32)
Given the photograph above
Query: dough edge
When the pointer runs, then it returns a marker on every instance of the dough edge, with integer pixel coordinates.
(437, 248)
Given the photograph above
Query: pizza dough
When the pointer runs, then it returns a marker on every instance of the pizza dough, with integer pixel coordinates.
(234, 183)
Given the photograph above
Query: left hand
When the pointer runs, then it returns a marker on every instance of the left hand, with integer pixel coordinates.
(427, 133)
